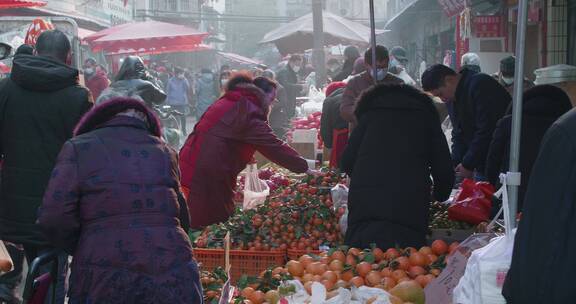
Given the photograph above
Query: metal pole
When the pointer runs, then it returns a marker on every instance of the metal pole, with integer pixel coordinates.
(514, 180)
(200, 2)
(373, 41)
(318, 55)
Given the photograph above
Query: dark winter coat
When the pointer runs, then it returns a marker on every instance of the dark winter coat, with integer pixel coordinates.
(347, 69)
(278, 114)
(479, 103)
(112, 203)
(354, 89)
(543, 263)
(222, 144)
(396, 147)
(331, 118)
(542, 106)
(39, 106)
(289, 80)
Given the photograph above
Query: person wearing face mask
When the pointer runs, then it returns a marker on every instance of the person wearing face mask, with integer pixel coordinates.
(288, 78)
(224, 78)
(224, 142)
(177, 95)
(359, 83)
(95, 77)
(206, 92)
(398, 64)
(506, 75)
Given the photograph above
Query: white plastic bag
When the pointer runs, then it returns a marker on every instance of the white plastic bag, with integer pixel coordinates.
(255, 190)
(315, 101)
(343, 222)
(487, 267)
(339, 196)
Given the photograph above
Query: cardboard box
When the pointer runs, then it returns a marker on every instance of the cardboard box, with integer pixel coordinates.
(306, 150)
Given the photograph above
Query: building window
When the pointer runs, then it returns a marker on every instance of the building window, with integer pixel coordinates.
(557, 36)
(572, 31)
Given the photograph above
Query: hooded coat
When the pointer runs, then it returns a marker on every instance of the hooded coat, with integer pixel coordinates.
(397, 145)
(354, 89)
(221, 145)
(542, 106)
(542, 268)
(39, 106)
(113, 203)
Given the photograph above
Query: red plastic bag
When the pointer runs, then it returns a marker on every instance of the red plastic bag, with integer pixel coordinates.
(473, 203)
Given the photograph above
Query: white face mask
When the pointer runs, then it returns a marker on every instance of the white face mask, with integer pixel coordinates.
(508, 80)
(224, 82)
(295, 68)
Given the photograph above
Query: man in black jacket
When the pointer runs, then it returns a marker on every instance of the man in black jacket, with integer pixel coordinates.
(543, 263)
(39, 107)
(479, 101)
(288, 78)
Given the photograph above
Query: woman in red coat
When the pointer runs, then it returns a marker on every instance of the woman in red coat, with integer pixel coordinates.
(224, 142)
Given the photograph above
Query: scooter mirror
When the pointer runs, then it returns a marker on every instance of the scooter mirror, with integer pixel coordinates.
(5, 50)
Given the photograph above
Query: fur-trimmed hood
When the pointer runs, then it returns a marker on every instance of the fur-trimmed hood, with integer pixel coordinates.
(247, 90)
(545, 100)
(101, 115)
(387, 96)
(250, 92)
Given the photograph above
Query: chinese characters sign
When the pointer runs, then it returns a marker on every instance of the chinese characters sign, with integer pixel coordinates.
(488, 26)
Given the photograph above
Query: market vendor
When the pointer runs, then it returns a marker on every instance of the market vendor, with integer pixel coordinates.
(223, 143)
(397, 145)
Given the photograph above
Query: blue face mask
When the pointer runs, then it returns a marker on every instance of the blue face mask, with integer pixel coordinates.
(380, 74)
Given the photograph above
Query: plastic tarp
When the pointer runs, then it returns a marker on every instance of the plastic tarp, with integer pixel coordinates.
(297, 36)
(148, 35)
(238, 58)
(6, 4)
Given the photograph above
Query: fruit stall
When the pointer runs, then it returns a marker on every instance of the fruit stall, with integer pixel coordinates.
(290, 248)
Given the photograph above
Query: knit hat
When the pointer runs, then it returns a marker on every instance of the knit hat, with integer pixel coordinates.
(507, 66)
(334, 86)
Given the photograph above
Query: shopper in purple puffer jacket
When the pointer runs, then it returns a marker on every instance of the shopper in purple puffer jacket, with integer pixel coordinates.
(113, 203)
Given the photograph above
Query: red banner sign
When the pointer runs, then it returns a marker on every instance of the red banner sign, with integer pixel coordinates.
(488, 26)
(452, 7)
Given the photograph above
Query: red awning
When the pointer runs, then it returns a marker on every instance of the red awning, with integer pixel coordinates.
(163, 50)
(5, 4)
(146, 36)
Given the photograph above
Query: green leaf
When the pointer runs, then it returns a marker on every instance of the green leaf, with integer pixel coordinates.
(369, 258)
